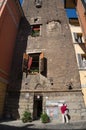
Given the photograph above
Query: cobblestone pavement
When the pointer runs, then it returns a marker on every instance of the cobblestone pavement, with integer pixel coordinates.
(37, 125)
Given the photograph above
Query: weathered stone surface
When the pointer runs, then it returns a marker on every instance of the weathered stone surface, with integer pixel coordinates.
(56, 44)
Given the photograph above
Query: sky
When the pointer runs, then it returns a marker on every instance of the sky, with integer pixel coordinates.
(71, 13)
(21, 1)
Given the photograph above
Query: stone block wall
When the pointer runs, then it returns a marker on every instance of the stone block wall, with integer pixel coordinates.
(73, 100)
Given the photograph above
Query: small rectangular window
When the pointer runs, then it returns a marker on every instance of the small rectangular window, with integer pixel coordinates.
(78, 37)
(82, 61)
(33, 63)
(38, 3)
(35, 30)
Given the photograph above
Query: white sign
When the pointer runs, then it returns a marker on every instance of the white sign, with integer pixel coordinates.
(54, 102)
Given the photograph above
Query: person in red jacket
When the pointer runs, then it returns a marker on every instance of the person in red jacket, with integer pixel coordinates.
(64, 113)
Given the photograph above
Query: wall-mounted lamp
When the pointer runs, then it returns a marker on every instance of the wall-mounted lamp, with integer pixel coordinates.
(46, 97)
(27, 96)
(70, 85)
(38, 96)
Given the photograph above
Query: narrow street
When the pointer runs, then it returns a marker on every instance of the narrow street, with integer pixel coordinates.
(37, 125)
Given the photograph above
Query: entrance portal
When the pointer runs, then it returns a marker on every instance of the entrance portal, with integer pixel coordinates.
(37, 106)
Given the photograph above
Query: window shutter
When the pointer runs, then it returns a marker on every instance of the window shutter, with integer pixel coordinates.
(41, 62)
(25, 56)
(25, 62)
(79, 61)
(29, 62)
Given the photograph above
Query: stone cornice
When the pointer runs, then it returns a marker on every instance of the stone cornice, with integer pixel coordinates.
(44, 91)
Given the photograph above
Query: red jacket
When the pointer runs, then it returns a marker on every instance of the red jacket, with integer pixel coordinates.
(63, 109)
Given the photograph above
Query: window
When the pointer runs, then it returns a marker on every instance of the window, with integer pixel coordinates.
(38, 3)
(35, 30)
(82, 61)
(33, 63)
(78, 37)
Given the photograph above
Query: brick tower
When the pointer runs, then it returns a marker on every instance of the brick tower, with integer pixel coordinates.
(44, 71)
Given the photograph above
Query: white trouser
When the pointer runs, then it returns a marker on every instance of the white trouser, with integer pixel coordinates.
(64, 117)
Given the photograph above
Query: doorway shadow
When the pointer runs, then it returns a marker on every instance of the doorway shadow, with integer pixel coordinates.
(37, 105)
